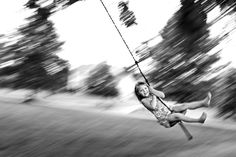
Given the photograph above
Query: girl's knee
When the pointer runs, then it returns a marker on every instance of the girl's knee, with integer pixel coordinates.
(174, 117)
(184, 106)
(180, 107)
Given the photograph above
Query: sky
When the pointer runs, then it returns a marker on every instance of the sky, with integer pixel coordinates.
(90, 36)
(11, 15)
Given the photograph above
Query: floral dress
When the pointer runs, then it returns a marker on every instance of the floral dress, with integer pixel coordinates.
(161, 112)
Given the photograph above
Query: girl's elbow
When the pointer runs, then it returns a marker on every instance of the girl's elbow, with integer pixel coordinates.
(163, 95)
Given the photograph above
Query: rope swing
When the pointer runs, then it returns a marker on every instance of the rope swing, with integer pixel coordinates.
(186, 132)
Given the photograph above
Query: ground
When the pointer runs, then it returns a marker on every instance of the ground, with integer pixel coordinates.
(40, 130)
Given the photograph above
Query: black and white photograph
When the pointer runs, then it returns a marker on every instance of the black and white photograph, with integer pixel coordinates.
(117, 78)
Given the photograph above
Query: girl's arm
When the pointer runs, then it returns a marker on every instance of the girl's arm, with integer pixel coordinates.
(151, 105)
(159, 94)
(154, 101)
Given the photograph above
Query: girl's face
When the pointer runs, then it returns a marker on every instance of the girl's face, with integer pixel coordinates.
(143, 90)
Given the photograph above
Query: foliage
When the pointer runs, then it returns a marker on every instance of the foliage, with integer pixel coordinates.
(228, 7)
(182, 58)
(192, 17)
(226, 4)
(53, 6)
(35, 64)
(225, 90)
(101, 81)
(126, 16)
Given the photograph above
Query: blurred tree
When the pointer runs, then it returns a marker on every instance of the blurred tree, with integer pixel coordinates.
(58, 73)
(37, 72)
(33, 56)
(192, 17)
(181, 59)
(126, 16)
(2, 50)
(32, 73)
(101, 81)
(228, 7)
(226, 4)
(53, 5)
(224, 91)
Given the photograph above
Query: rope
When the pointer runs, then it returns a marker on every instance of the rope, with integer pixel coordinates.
(135, 61)
(189, 136)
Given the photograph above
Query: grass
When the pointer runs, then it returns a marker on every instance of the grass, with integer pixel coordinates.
(36, 131)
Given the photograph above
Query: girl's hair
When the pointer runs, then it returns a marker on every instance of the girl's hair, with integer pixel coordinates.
(136, 90)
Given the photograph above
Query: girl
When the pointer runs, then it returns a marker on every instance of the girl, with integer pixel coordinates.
(148, 97)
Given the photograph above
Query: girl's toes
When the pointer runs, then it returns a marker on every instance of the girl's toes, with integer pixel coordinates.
(208, 99)
(203, 117)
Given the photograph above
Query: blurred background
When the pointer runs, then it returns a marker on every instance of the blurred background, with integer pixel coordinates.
(67, 54)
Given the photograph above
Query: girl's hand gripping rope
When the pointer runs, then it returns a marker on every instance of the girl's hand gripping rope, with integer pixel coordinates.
(157, 93)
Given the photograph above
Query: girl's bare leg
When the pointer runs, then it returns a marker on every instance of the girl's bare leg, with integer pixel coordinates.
(179, 116)
(193, 105)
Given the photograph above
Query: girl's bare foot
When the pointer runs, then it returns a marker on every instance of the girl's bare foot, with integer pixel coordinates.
(203, 117)
(207, 100)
